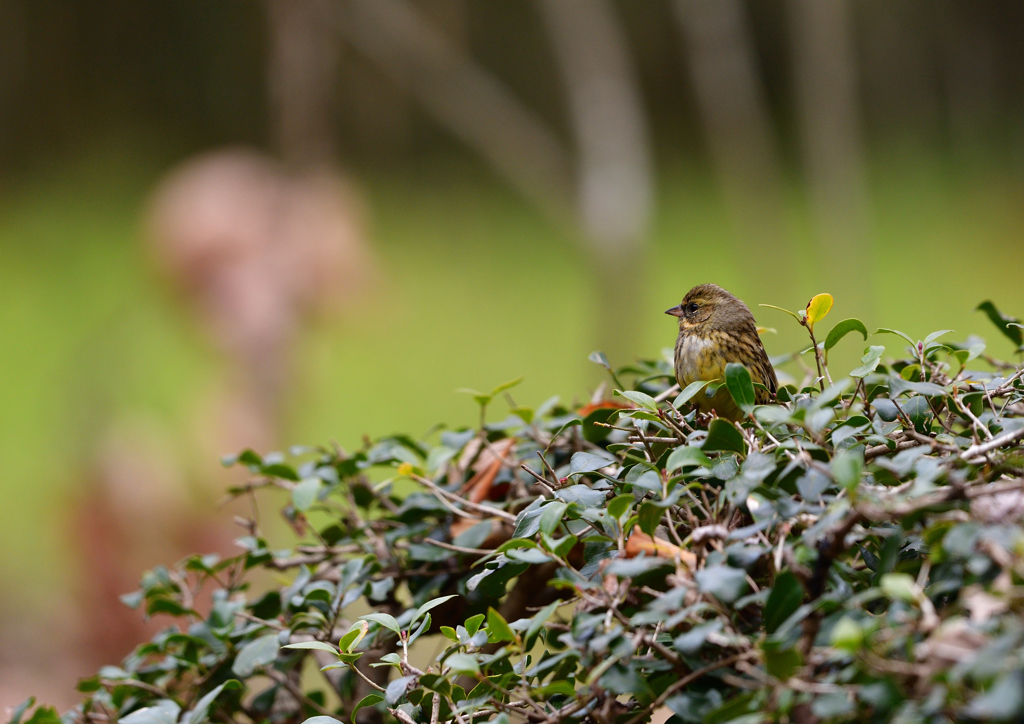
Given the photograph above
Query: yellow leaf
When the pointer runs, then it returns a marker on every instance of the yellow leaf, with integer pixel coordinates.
(405, 469)
(817, 308)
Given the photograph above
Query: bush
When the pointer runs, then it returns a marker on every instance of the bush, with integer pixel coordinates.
(851, 554)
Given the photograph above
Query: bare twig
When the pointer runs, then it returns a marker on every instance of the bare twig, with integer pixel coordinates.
(458, 549)
(444, 496)
(973, 453)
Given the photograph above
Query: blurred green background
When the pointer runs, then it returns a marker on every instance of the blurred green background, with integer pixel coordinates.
(535, 181)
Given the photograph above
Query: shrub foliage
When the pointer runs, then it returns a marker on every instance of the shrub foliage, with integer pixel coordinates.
(852, 553)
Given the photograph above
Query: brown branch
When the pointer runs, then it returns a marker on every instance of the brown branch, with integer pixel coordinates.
(974, 452)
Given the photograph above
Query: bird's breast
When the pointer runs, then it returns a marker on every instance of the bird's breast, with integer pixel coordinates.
(698, 358)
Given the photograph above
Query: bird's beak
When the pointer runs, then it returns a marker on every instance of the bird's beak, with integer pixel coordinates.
(676, 311)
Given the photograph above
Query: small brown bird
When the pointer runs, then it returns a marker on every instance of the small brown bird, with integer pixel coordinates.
(716, 328)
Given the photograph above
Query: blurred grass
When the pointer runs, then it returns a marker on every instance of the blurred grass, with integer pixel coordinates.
(476, 290)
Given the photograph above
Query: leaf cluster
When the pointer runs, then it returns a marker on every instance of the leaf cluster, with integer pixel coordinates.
(853, 552)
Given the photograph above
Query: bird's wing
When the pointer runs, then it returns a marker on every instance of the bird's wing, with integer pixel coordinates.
(765, 374)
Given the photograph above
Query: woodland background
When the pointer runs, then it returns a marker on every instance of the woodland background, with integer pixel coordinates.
(437, 194)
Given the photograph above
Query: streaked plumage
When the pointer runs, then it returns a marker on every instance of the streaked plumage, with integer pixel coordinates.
(716, 328)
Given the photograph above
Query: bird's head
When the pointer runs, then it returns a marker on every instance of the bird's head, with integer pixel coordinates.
(708, 306)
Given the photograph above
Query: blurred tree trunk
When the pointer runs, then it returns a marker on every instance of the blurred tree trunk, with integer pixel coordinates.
(723, 67)
(828, 115)
(13, 52)
(614, 179)
(303, 64)
(463, 97)
(450, 16)
(971, 77)
(607, 201)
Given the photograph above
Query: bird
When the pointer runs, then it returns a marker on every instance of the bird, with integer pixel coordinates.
(716, 328)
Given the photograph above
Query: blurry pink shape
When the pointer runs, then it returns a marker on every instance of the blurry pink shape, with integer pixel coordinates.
(256, 249)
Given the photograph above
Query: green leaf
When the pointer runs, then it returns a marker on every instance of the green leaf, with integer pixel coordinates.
(740, 385)
(396, 690)
(899, 586)
(1009, 326)
(639, 398)
(497, 628)
(355, 634)
(919, 412)
(472, 624)
(649, 517)
(786, 596)
(886, 330)
(620, 505)
(781, 662)
(848, 635)
(846, 467)
(523, 413)
(571, 423)
(528, 523)
(724, 436)
(588, 462)
(255, 654)
(163, 711)
(368, 700)
(316, 645)
(45, 715)
(693, 640)
(20, 709)
(201, 711)
(1003, 701)
(868, 362)
(832, 707)
(633, 567)
(562, 687)
(528, 555)
(481, 398)
(506, 386)
(385, 620)
(537, 623)
(433, 603)
(305, 493)
(600, 359)
(463, 663)
(935, 335)
(691, 389)
(279, 470)
(564, 545)
(389, 659)
(688, 456)
(898, 385)
(551, 515)
(842, 329)
(723, 582)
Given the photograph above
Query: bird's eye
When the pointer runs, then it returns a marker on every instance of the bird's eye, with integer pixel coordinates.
(691, 308)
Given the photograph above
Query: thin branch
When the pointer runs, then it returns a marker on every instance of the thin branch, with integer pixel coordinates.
(974, 452)
(458, 549)
(444, 496)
